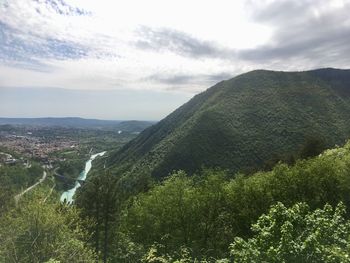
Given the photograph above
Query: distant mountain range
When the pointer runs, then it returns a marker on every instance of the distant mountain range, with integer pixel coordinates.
(75, 122)
(244, 122)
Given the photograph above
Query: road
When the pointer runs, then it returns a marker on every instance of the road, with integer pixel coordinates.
(18, 197)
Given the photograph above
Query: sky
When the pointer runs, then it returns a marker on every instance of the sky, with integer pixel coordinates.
(114, 59)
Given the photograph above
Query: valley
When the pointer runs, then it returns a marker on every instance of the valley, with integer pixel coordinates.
(175, 131)
(246, 159)
(67, 196)
(57, 151)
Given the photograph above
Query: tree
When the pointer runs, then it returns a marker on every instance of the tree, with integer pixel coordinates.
(181, 212)
(39, 231)
(313, 147)
(297, 234)
(99, 201)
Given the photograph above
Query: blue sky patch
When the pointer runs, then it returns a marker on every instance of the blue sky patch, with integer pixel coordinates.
(24, 50)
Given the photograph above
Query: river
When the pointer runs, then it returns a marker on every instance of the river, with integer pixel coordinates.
(68, 195)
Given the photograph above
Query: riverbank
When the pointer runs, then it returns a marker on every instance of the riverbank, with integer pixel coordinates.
(67, 196)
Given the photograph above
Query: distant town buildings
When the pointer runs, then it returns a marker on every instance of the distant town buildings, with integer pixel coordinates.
(7, 158)
(33, 147)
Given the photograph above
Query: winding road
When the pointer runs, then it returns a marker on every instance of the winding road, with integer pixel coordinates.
(17, 197)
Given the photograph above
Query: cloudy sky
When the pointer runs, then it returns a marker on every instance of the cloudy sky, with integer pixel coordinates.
(142, 59)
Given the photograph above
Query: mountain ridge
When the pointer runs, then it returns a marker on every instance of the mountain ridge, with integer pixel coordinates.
(78, 122)
(223, 126)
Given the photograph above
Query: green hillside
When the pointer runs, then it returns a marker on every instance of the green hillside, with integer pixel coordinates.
(245, 122)
(273, 216)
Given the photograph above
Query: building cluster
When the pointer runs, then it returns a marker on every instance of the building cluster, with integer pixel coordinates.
(33, 147)
(6, 158)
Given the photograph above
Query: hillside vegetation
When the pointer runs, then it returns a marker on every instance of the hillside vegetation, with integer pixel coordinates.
(208, 216)
(229, 198)
(295, 213)
(245, 124)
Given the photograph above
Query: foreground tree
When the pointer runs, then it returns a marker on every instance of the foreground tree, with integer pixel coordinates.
(99, 201)
(205, 213)
(40, 231)
(297, 234)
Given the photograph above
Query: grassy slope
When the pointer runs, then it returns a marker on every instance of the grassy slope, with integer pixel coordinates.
(243, 122)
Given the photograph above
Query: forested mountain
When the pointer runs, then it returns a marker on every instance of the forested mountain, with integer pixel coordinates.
(245, 123)
(297, 211)
(293, 213)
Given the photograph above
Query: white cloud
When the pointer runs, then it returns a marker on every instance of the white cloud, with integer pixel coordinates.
(98, 50)
(108, 34)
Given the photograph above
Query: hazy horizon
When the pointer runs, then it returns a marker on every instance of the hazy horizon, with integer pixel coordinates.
(92, 104)
(73, 117)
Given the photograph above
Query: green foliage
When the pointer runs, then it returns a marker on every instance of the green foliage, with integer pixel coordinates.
(70, 169)
(249, 122)
(100, 202)
(182, 256)
(182, 211)
(39, 231)
(313, 147)
(297, 234)
(245, 123)
(15, 178)
(205, 212)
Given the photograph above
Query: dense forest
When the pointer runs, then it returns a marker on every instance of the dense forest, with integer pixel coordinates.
(175, 131)
(214, 215)
(244, 123)
(293, 213)
(248, 171)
